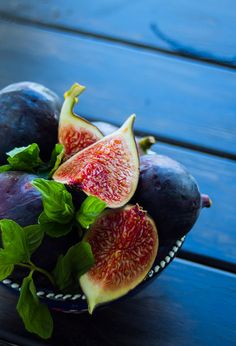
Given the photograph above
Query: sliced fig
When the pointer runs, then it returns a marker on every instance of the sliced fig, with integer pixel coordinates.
(124, 243)
(108, 169)
(143, 143)
(75, 133)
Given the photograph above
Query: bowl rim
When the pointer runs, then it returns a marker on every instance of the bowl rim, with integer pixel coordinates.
(49, 295)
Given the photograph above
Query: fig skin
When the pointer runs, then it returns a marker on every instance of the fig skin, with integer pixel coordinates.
(21, 202)
(29, 113)
(170, 194)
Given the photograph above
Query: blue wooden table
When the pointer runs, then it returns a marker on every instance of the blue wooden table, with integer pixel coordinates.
(173, 63)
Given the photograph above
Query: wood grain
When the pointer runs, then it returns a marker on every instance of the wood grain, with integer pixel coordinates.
(175, 100)
(202, 29)
(187, 305)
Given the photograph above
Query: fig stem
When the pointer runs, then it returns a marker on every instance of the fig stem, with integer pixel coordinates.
(146, 143)
(71, 97)
(74, 91)
(206, 201)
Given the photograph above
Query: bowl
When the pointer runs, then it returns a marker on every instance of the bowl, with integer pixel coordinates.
(76, 303)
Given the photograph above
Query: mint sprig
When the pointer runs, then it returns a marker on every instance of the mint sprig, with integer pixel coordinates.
(35, 315)
(18, 245)
(89, 210)
(57, 201)
(56, 158)
(77, 261)
(27, 159)
(24, 159)
(57, 216)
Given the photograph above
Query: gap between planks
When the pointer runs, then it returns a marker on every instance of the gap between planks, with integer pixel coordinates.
(177, 143)
(108, 38)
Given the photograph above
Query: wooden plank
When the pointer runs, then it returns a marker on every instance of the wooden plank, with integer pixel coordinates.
(58, 60)
(188, 305)
(175, 100)
(202, 29)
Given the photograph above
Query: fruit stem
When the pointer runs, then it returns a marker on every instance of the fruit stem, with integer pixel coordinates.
(43, 271)
(24, 265)
(74, 91)
(71, 97)
(206, 201)
(145, 143)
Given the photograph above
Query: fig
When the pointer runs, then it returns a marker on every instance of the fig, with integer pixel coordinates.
(28, 114)
(143, 143)
(124, 243)
(170, 195)
(75, 133)
(21, 201)
(108, 169)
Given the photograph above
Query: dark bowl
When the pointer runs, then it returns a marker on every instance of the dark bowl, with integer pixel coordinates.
(76, 303)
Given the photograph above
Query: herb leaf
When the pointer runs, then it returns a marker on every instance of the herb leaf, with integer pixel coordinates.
(14, 242)
(57, 201)
(77, 261)
(25, 158)
(5, 269)
(56, 158)
(89, 210)
(34, 236)
(35, 315)
(5, 168)
(52, 228)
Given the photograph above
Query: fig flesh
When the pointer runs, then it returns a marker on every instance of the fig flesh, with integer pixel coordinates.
(170, 195)
(124, 243)
(143, 143)
(75, 133)
(29, 113)
(108, 169)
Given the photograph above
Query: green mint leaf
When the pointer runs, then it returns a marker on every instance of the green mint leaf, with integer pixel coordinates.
(5, 168)
(14, 242)
(56, 158)
(34, 235)
(5, 268)
(89, 210)
(25, 158)
(77, 261)
(57, 201)
(35, 315)
(52, 228)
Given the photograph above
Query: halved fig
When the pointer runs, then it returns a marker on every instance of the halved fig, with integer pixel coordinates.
(75, 133)
(108, 169)
(124, 243)
(143, 143)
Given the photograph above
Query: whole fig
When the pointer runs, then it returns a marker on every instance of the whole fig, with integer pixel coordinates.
(170, 195)
(28, 114)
